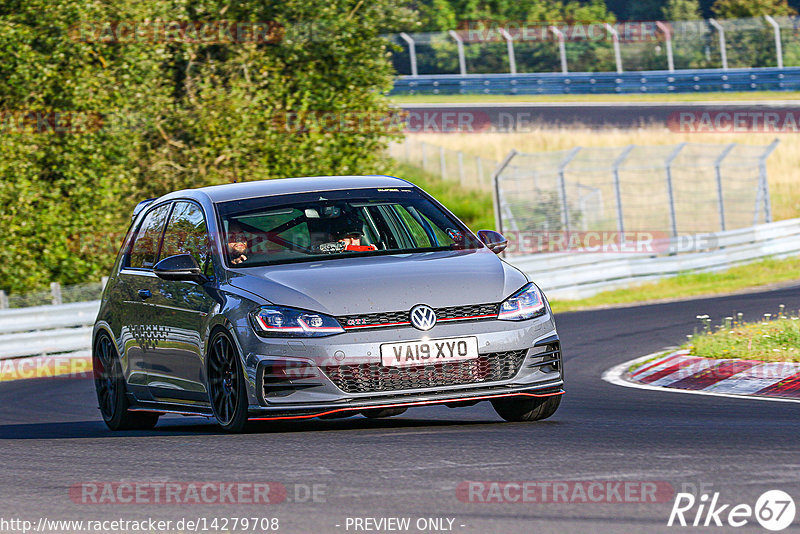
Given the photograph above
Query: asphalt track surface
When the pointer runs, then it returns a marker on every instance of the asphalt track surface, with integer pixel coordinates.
(519, 116)
(51, 437)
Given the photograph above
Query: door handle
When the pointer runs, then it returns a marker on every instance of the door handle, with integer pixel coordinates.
(145, 294)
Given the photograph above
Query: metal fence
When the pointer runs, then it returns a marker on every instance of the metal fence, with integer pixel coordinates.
(453, 165)
(673, 189)
(482, 48)
(57, 294)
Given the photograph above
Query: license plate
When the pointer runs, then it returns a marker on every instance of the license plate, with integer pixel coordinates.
(426, 352)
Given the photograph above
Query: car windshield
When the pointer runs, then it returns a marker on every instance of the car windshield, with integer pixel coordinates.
(334, 224)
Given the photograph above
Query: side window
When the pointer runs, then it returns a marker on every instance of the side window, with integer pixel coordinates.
(144, 250)
(186, 233)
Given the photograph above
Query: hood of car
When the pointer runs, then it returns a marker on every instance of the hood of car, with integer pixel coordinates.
(371, 284)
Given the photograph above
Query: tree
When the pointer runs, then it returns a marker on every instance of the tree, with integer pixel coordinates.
(645, 10)
(681, 10)
(433, 15)
(737, 9)
(439, 55)
(175, 114)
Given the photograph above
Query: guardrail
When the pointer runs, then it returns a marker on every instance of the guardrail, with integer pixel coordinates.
(579, 275)
(661, 81)
(56, 329)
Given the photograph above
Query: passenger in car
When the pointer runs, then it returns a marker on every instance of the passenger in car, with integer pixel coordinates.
(352, 240)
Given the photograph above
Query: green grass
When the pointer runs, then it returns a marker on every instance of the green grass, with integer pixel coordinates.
(776, 338)
(751, 275)
(636, 97)
(472, 206)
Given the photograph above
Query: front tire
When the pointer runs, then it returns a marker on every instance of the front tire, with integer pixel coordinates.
(227, 388)
(519, 409)
(109, 384)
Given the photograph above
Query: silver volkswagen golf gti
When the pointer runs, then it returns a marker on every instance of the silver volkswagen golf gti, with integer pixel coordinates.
(317, 297)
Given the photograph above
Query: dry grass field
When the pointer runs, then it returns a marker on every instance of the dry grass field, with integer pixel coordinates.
(783, 166)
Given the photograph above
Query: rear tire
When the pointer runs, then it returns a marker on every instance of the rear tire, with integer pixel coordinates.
(227, 389)
(109, 384)
(380, 413)
(519, 409)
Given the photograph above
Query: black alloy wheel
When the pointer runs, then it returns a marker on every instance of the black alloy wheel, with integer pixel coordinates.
(226, 386)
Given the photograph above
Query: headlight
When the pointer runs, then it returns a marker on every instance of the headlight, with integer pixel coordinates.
(526, 303)
(277, 321)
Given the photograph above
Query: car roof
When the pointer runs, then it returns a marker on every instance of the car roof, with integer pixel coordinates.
(283, 186)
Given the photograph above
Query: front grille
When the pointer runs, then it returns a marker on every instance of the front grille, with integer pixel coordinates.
(374, 377)
(474, 312)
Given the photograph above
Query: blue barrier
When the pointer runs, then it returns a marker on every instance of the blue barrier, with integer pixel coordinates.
(661, 81)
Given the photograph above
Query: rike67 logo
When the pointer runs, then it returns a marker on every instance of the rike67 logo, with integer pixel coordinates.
(774, 510)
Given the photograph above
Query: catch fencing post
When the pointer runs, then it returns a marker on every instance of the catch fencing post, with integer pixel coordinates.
(718, 172)
(412, 52)
(512, 61)
(462, 62)
(442, 164)
(618, 193)
(722, 51)
(498, 218)
(668, 43)
(3, 300)
(460, 157)
(563, 186)
(762, 176)
(562, 48)
(670, 193)
(479, 169)
(424, 156)
(615, 38)
(55, 291)
(778, 46)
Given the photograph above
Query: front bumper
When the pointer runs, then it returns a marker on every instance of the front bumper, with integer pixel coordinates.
(453, 398)
(292, 378)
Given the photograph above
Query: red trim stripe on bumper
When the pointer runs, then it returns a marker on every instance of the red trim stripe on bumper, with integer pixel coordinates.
(404, 405)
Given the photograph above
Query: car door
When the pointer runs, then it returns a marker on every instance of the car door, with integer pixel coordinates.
(137, 284)
(175, 371)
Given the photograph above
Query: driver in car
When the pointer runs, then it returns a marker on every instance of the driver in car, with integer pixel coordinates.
(237, 244)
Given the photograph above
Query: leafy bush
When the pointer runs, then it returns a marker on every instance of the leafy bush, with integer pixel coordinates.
(175, 115)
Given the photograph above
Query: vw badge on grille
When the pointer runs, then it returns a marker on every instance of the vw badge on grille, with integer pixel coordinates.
(423, 317)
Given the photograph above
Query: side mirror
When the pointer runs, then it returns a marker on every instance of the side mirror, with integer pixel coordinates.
(494, 241)
(182, 267)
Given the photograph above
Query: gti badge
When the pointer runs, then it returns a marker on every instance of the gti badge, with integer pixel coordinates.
(423, 317)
